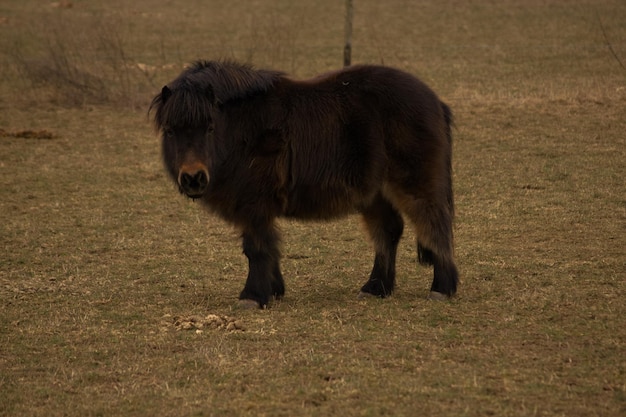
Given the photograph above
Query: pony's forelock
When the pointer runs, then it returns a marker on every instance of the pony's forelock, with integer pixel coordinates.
(186, 106)
(204, 84)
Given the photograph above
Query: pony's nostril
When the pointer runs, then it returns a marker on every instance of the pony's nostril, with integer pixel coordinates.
(201, 179)
(186, 180)
(194, 184)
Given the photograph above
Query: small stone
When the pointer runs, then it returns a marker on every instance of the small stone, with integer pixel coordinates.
(212, 318)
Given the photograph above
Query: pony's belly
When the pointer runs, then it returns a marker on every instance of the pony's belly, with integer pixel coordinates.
(317, 203)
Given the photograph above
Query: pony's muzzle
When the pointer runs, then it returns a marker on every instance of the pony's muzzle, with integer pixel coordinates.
(193, 180)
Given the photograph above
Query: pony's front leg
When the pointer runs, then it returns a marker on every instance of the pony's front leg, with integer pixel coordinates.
(264, 277)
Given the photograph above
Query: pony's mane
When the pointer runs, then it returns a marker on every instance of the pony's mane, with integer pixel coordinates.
(231, 80)
(207, 83)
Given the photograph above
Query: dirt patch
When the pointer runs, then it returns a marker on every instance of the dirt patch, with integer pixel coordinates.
(28, 134)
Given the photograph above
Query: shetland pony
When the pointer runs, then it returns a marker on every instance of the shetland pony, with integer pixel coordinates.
(255, 145)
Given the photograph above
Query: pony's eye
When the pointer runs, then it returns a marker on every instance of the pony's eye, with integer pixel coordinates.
(168, 133)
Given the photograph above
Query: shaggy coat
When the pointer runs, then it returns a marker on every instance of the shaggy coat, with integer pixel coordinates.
(254, 145)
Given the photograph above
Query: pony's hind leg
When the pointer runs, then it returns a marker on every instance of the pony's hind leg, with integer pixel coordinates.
(385, 225)
(432, 219)
(445, 279)
(433, 226)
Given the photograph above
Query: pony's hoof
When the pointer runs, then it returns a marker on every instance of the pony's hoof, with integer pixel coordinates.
(365, 295)
(247, 304)
(437, 296)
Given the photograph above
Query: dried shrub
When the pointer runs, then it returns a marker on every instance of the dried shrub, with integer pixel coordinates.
(80, 61)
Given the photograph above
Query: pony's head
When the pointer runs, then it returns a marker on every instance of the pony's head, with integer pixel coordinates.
(182, 113)
(186, 110)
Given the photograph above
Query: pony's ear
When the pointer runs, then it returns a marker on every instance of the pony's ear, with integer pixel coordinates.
(165, 93)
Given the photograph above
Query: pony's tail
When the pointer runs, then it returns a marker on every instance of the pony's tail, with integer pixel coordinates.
(449, 119)
(425, 256)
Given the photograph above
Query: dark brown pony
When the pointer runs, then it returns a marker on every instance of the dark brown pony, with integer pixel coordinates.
(254, 145)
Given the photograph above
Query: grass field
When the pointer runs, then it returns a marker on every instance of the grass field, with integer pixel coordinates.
(117, 295)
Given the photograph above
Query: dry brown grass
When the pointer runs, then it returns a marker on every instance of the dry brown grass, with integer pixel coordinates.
(105, 269)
